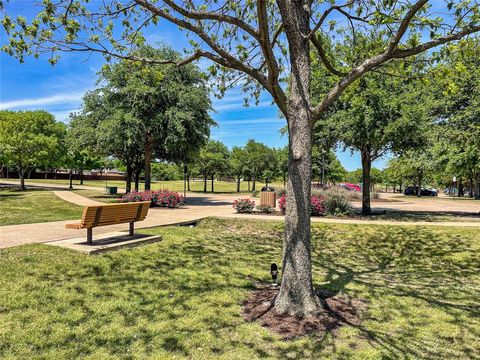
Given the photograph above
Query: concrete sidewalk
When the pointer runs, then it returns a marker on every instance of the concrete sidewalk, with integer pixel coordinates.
(198, 206)
(76, 199)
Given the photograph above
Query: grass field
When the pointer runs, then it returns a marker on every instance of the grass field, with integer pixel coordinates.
(181, 298)
(219, 186)
(34, 206)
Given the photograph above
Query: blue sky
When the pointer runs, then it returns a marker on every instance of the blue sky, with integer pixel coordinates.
(36, 84)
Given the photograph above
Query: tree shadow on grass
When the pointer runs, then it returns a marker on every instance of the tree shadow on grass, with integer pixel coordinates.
(400, 268)
(185, 293)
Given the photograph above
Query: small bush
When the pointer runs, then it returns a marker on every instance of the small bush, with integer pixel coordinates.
(336, 203)
(136, 196)
(244, 205)
(162, 198)
(265, 209)
(375, 195)
(254, 193)
(167, 198)
(280, 191)
(317, 207)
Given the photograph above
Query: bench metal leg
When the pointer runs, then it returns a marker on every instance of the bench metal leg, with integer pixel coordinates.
(90, 236)
(131, 229)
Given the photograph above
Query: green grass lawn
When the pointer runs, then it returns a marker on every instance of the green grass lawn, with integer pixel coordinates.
(177, 185)
(181, 298)
(33, 206)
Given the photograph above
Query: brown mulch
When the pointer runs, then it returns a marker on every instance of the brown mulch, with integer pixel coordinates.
(338, 311)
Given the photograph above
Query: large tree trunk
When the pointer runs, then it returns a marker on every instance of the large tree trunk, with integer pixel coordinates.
(213, 178)
(477, 186)
(81, 176)
(21, 173)
(70, 180)
(366, 167)
(470, 187)
(148, 160)
(204, 183)
(296, 295)
(238, 184)
(188, 182)
(460, 187)
(419, 184)
(128, 179)
(254, 181)
(136, 175)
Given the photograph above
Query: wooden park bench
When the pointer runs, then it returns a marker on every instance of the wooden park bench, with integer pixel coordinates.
(111, 214)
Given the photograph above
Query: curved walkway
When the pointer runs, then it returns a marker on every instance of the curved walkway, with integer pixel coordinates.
(76, 199)
(199, 206)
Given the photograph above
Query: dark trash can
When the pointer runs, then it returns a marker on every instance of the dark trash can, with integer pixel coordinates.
(111, 190)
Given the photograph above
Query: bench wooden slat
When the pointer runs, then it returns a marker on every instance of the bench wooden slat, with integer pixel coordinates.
(101, 215)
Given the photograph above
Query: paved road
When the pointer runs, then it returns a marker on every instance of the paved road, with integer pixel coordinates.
(202, 205)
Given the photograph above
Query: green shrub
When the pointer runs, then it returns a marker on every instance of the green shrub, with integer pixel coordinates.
(337, 202)
(375, 195)
(244, 205)
(280, 191)
(265, 209)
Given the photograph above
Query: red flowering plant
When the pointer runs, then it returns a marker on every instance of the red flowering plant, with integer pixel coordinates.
(167, 198)
(317, 206)
(244, 205)
(162, 198)
(136, 196)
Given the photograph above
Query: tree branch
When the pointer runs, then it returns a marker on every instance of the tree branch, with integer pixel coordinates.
(323, 56)
(225, 58)
(272, 65)
(210, 15)
(380, 59)
(404, 24)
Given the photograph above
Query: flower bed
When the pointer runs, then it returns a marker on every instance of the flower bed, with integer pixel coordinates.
(161, 198)
(244, 205)
(317, 205)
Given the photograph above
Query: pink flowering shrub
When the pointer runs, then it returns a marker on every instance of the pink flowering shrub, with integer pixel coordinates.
(317, 205)
(244, 205)
(136, 196)
(167, 198)
(161, 198)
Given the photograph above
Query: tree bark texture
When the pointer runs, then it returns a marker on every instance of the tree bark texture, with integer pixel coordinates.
(366, 167)
(148, 160)
(296, 295)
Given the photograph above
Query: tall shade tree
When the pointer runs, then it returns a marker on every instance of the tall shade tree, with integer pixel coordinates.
(260, 159)
(258, 44)
(29, 139)
(458, 109)
(238, 164)
(172, 104)
(381, 114)
(141, 112)
(213, 159)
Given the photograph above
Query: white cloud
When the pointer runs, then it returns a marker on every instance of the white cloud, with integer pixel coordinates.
(43, 101)
(258, 122)
(241, 105)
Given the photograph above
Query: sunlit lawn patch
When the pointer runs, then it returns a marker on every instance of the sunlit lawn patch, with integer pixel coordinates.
(33, 206)
(181, 298)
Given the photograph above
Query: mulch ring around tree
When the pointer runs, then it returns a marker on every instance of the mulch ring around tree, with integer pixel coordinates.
(337, 311)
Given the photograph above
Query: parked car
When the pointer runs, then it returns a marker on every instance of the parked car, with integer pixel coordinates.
(352, 187)
(413, 190)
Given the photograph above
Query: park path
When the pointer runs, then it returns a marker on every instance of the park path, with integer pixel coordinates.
(198, 207)
(76, 199)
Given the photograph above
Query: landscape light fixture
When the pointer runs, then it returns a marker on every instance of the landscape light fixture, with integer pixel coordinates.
(274, 273)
